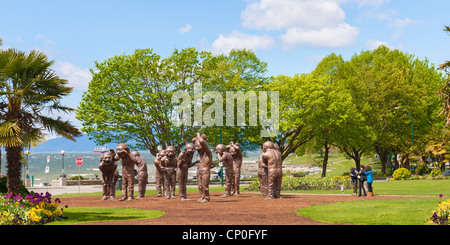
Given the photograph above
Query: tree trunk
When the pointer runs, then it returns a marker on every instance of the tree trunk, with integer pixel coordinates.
(383, 155)
(325, 160)
(13, 159)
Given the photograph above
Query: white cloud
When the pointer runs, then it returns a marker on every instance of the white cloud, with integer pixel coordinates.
(329, 37)
(78, 78)
(282, 14)
(403, 23)
(373, 44)
(44, 39)
(185, 29)
(400, 24)
(314, 23)
(239, 40)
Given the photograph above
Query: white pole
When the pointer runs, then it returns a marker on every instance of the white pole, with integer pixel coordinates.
(79, 178)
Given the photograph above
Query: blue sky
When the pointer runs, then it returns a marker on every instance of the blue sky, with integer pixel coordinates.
(290, 35)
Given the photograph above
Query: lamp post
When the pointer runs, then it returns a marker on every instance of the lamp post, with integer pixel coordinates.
(62, 166)
(412, 123)
(63, 174)
(27, 152)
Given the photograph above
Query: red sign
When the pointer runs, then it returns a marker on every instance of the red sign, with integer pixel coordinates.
(79, 161)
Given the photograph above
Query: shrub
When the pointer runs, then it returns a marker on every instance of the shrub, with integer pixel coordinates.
(76, 177)
(435, 172)
(3, 189)
(309, 182)
(401, 173)
(422, 169)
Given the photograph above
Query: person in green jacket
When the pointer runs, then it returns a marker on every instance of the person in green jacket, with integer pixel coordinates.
(369, 174)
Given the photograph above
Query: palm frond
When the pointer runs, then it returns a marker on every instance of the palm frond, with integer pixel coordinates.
(10, 134)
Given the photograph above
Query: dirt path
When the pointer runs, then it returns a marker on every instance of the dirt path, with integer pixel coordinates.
(245, 209)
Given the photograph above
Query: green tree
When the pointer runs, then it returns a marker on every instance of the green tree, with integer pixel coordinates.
(131, 97)
(230, 74)
(444, 92)
(29, 90)
(381, 80)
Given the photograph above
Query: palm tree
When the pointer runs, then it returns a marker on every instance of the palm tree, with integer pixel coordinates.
(29, 92)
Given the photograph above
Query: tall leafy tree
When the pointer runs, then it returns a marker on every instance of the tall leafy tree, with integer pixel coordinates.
(29, 91)
(130, 97)
(239, 73)
(445, 90)
(382, 81)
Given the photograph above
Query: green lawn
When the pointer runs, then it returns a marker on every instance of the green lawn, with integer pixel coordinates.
(402, 211)
(96, 214)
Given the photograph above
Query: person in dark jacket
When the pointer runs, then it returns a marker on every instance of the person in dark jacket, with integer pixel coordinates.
(354, 178)
(362, 179)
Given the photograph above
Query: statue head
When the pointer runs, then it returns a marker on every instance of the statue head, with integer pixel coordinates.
(268, 145)
(171, 152)
(107, 158)
(220, 148)
(161, 154)
(198, 146)
(136, 153)
(190, 148)
(122, 149)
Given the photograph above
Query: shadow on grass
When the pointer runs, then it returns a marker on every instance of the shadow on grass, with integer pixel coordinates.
(76, 215)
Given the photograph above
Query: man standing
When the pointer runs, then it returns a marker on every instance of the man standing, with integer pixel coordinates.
(169, 162)
(236, 153)
(183, 165)
(272, 159)
(128, 161)
(142, 173)
(227, 159)
(159, 175)
(108, 167)
(204, 166)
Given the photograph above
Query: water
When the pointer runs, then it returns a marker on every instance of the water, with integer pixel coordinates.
(37, 163)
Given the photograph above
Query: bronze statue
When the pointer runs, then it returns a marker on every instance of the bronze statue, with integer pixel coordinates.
(128, 161)
(203, 167)
(159, 175)
(108, 167)
(236, 153)
(169, 163)
(262, 176)
(142, 173)
(227, 159)
(183, 165)
(272, 159)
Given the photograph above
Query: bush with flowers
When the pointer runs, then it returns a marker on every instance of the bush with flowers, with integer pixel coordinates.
(441, 214)
(33, 209)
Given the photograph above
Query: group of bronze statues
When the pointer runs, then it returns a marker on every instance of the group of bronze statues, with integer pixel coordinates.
(172, 168)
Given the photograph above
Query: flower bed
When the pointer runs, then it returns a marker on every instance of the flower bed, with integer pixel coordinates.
(309, 182)
(441, 214)
(33, 209)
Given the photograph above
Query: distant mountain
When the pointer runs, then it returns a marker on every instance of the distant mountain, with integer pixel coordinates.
(82, 144)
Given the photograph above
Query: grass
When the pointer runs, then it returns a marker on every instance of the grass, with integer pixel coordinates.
(78, 215)
(402, 211)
